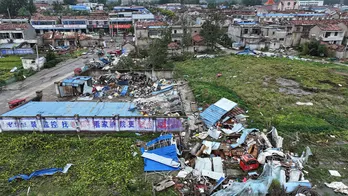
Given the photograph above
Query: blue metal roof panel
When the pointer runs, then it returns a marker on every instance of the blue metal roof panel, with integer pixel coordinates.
(71, 108)
(212, 114)
(75, 81)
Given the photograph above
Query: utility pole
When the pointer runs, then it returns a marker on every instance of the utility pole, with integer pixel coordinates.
(37, 58)
(9, 15)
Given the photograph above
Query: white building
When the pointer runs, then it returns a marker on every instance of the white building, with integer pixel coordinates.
(329, 33)
(17, 33)
(33, 63)
(311, 3)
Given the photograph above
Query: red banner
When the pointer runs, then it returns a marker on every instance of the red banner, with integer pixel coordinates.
(121, 26)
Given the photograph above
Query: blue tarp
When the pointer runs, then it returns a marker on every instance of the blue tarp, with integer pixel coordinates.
(246, 51)
(124, 91)
(243, 137)
(166, 151)
(105, 61)
(42, 172)
(75, 81)
(163, 90)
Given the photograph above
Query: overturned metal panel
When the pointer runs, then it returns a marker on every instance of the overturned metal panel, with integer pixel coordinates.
(161, 159)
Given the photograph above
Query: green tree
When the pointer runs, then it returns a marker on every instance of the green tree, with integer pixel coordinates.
(70, 2)
(11, 6)
(186, 37)
(157, 53)
(57, 7)
(31, 7)
(125, 62)
(50, 56)
(251, 2)
(226, 41)
(23, 11)
(314, 48)
(211, 30)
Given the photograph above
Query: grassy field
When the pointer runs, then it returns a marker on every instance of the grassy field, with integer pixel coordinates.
(6, 64)
(268, 89)
(103, 164)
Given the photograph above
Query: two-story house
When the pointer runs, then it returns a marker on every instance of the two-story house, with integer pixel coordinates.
(17, 33)
(329, 33)
(43, 23)
(246, 34)
(75, 23)
(96, 23)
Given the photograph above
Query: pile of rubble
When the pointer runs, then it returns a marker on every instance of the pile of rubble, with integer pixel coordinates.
(227, 159)
(128, 84)
(167, 103)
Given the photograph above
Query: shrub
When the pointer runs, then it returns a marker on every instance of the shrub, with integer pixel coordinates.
(52, 63)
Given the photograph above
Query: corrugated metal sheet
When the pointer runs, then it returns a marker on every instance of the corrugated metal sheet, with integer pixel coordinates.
(75, 81)
(212, 114)
(215, 112)
(71, 108)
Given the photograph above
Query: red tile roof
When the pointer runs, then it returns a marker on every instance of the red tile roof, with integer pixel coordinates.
(74, 17)
(96, 17)
(329, 27)
(42, 17)
(197, 38)
(14, 26)
(48, 35)
(315, 22)
(147, 24)
(173, 45)
(334, 47)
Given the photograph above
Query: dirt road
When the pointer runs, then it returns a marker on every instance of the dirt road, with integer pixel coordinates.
(42, 80)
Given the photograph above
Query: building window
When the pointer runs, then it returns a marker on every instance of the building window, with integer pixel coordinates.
(298, 29)
(273, 33)
(4, 36)
(336, 33)
(17, 35)
(245, 31)
(105, 22)
(90, 22)
(327, 34)
(174, 31)
(334, 42)
(289, 3)
(281, 39)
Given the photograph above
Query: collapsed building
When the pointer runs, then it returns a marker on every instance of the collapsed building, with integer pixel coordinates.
(226, 158)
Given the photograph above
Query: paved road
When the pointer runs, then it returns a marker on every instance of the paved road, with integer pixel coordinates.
(42, 80)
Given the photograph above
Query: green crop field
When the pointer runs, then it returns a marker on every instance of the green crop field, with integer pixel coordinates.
(268, 88)
(6, 64)
(103, 164)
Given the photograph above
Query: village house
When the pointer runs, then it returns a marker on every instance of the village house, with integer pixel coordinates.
(329, 33)
(288, 5)
(257, 36)
(44, 24)
(17, 33)
(98, 23)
